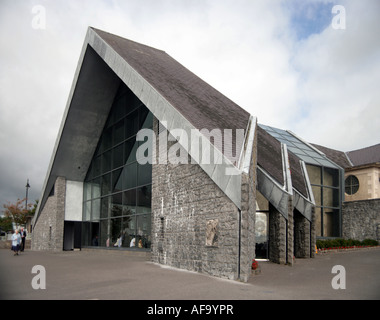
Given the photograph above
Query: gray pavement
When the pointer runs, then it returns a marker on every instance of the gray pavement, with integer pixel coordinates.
(88, 275)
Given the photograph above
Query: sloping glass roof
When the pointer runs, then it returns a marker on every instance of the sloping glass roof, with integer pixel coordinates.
(300, 148)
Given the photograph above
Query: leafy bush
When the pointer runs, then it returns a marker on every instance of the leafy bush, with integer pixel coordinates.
(338, 242)
(370, 242)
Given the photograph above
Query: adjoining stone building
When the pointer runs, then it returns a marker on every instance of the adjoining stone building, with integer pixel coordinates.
(149, 157)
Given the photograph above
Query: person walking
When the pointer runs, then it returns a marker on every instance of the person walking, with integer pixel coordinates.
(23, 237)
(16, 240)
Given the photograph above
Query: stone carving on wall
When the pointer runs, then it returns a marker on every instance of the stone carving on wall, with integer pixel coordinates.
(211, 232)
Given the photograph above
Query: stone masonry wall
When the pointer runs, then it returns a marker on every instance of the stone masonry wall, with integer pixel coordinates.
(195, 226)
(290, 233)
(184, 200)
(361, 219)
(48, 230)
(302, 233)
(277, 236)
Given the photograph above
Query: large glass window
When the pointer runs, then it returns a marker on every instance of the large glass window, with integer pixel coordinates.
(118, 190)
(325, 185)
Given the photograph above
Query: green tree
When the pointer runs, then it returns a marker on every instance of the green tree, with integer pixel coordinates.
(6, 223)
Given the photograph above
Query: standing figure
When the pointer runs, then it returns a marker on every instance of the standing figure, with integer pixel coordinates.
(23, 237)
(16, 240)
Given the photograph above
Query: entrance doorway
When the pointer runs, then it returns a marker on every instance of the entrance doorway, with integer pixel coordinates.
(72, 235)
(262, 235)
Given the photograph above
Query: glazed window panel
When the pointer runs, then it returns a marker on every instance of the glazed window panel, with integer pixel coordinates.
(96, 188)
(144, 199)
(118, 134)
(117, 187)
(117, 183)
(130, 148)
(317, 192)
(104, 208)
(106, 161)
(132, 124)
(330, 197)
(87, 211)
(106, 140)
(315, 174)
(330, 177)
(130, 176)
(117, 156)
(115, 232)
(106, 184)
(143, 236)
(131, 231)
(129, 202)
(86, 191)
(97, 166)
(117, 205)
(144, 174)
(95, 209)
(119, 108)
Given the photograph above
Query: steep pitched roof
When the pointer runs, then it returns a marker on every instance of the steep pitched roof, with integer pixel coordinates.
(339, 157)
(354, 158)
(269, 155)
(365, 156)
(196, 100)
(298, 179)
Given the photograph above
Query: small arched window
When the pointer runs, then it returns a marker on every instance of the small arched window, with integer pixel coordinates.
(351, 185)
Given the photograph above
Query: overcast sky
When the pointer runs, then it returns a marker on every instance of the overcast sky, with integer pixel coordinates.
(295, 65)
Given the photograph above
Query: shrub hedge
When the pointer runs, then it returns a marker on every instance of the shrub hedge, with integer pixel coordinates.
(336, 243)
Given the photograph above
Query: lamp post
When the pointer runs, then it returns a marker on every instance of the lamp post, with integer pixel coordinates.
(26, 198)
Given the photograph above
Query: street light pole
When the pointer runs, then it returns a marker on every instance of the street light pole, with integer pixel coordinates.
(26, 198)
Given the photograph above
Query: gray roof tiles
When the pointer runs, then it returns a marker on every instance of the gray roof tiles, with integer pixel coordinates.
(365, 156)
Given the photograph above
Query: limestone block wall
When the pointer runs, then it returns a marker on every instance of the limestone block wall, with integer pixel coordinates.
(184, 201)
(277, 236)
(48, 230)
(195, 226)
(302, 234)
(361, 219)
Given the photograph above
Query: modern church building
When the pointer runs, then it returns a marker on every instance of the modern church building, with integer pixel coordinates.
(151, 158)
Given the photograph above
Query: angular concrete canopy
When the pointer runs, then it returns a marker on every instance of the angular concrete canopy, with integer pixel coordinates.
(175, 96)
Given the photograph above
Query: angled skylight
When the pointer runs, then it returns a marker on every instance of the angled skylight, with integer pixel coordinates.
(304, 151)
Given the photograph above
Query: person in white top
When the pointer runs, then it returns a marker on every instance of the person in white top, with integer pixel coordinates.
(16, 240)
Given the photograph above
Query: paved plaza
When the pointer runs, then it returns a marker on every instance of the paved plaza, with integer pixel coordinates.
(103, 275)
